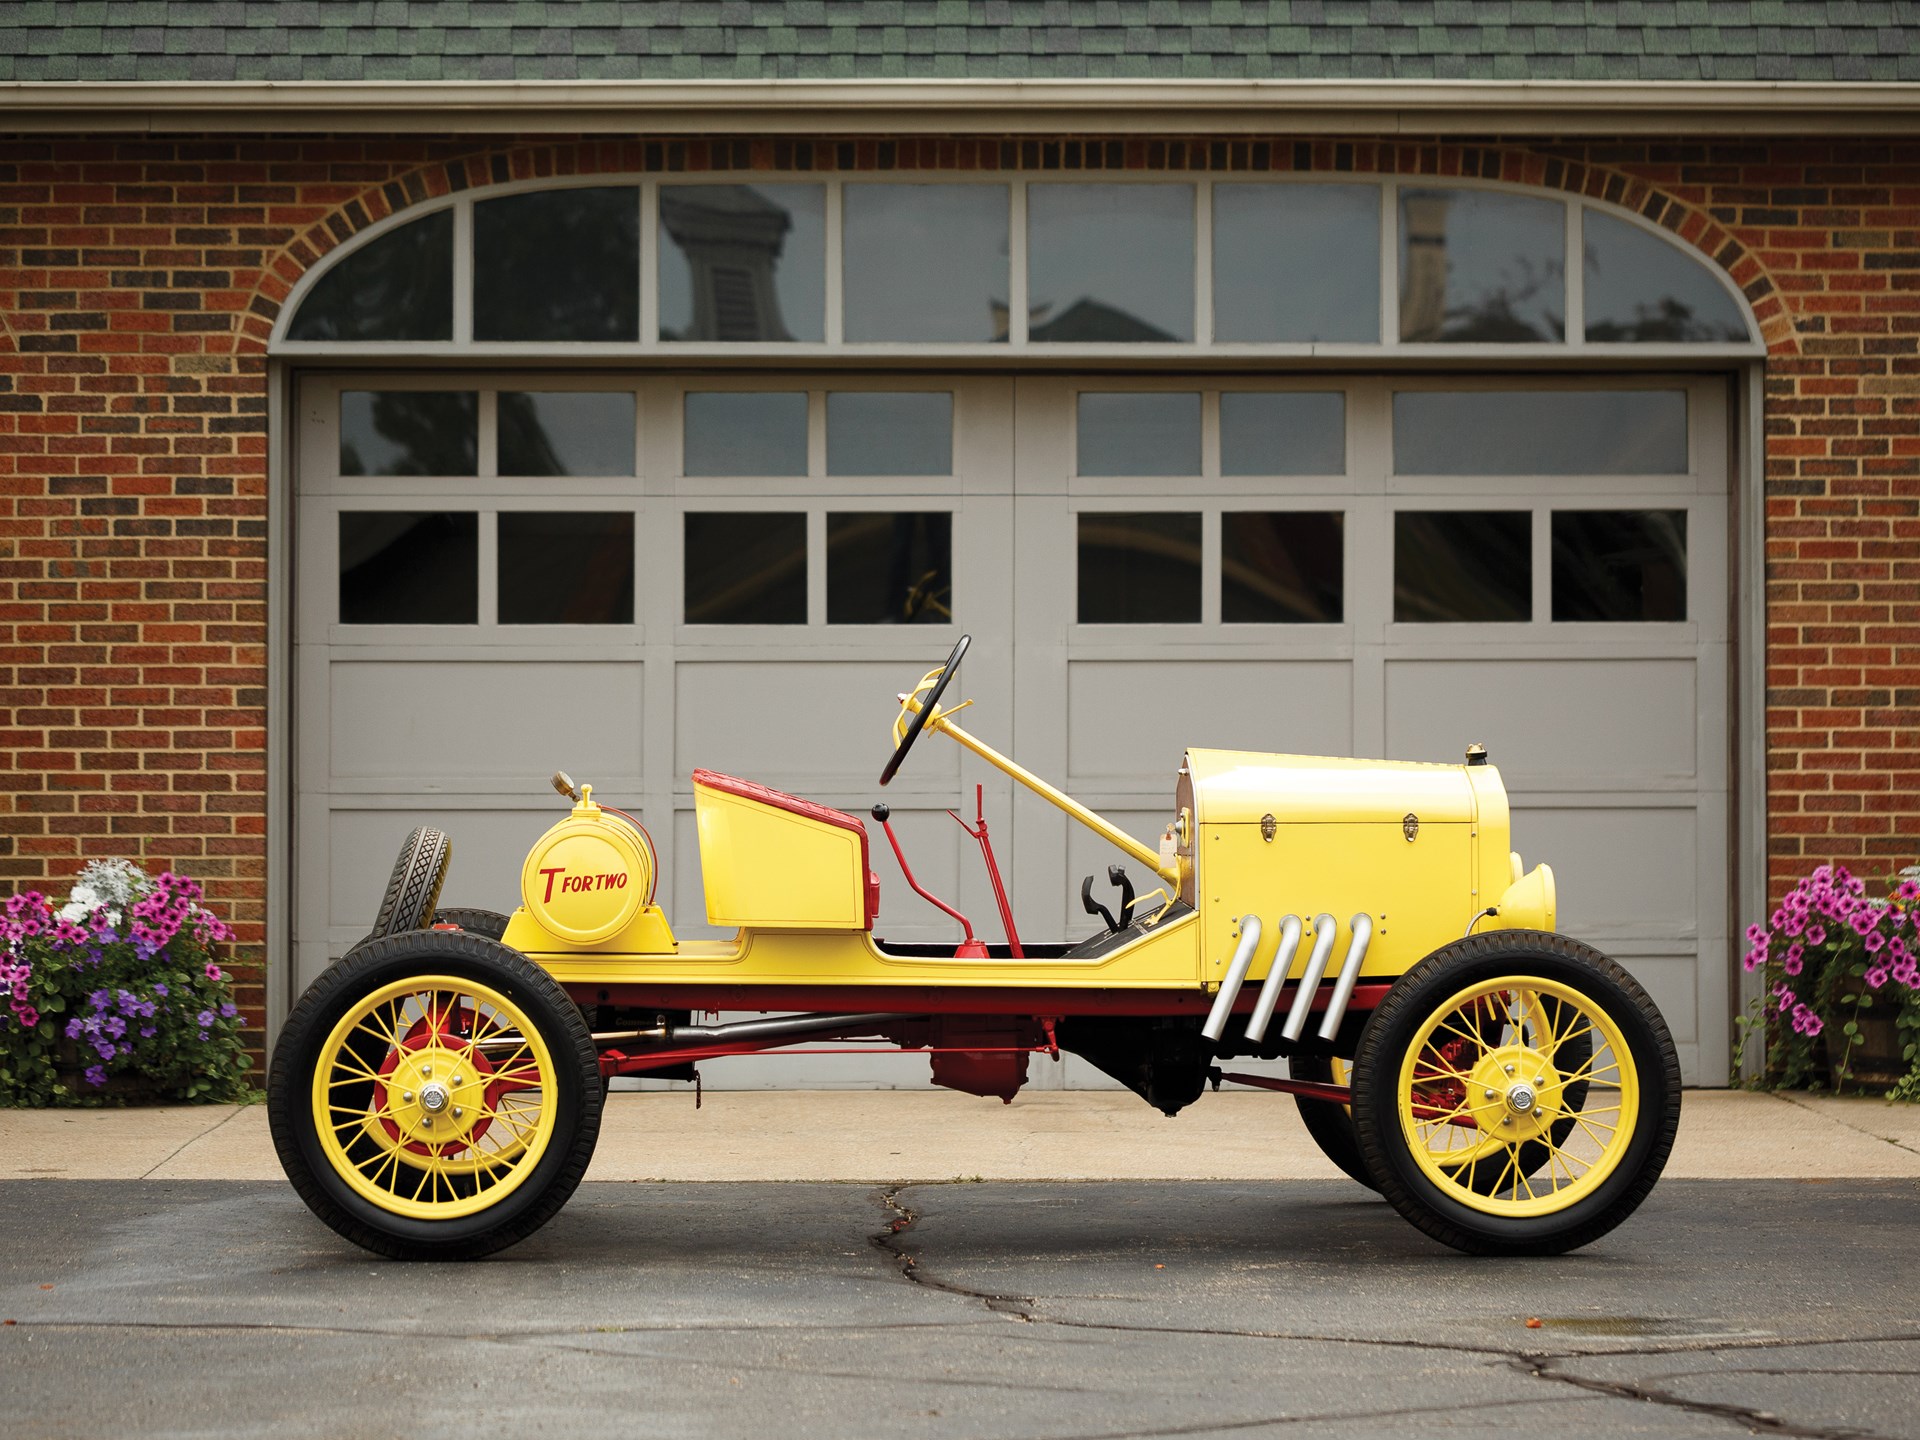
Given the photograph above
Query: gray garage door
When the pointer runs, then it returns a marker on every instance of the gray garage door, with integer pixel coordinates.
(627, 577)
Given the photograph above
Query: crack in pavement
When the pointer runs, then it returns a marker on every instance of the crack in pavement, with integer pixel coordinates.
(1762, 1422)
(1536, 1364)
(1845, 1124)
(193, 1140)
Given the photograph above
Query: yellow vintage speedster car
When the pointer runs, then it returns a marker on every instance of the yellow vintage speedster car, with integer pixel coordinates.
(438, 1091)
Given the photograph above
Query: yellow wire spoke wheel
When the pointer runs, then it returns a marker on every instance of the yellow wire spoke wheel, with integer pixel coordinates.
(1515, 1093)
(433, 1097)
(1475, 1104)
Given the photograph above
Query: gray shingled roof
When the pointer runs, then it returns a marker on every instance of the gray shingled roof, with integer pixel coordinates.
(187, 40)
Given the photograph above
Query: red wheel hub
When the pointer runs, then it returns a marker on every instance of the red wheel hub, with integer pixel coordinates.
(451, 1030)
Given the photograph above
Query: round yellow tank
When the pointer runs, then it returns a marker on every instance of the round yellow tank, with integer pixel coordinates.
(587, 877)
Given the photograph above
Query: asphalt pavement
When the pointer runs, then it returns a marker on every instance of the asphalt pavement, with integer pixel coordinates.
(1101, 1308)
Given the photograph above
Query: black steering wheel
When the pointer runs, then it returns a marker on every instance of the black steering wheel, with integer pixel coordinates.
(920, 716)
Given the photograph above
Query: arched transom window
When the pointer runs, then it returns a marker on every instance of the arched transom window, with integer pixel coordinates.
(795, 265)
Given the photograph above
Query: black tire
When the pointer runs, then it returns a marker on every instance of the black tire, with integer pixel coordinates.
(490, 923)
(414, 888)
(1394, 1026)
(1330, 1125)
(579, 1095)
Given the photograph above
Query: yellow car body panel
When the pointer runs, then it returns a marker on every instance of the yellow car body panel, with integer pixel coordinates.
(771, 869)
(1422, 850)
(1166, 957)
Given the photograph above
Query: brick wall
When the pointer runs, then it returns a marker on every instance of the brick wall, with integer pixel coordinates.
(139, 280)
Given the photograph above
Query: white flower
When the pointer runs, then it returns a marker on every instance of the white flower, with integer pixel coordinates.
(74, 911)
(113, 917)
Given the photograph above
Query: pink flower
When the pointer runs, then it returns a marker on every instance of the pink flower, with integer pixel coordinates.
(1816, 934)
(1792, 963)
(1806, 1022)
(213, 972)
(1875, 941)
(1876, 977)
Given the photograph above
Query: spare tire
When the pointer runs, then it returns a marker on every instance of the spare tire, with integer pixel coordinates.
(414, 888)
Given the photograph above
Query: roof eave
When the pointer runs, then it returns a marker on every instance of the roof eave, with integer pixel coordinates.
(1000, 107)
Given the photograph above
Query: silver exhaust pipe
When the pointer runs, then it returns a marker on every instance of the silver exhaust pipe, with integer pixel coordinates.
(1276, 980)
(1349, 976)
(1235, 977)
(1325, 930)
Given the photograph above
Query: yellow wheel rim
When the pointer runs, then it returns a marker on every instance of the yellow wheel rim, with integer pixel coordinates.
(1481, 1086)
(434, 1097)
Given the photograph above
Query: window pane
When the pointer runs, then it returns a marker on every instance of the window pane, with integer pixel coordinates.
(746, 432)
(1540, 432)
(746, 567)
(1139, 569)
(403, 567)
(566, 567)
(1643, 288)
(743, 262)
(889, 433)
(1139, 433)
(1481, 265)
(547, 432)
(1281, 567)
(557, 265)
(1296, 263)
(1283, 433)
(890, 568)
(925, 262)
(1462, 565)
(409, 432)
(1619, 564)
(399, 287)
(1109, 263)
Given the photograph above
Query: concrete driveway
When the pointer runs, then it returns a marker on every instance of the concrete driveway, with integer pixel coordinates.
(999, 1308)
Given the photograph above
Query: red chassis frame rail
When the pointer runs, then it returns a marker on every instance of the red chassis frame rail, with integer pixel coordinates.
(1043, 1006)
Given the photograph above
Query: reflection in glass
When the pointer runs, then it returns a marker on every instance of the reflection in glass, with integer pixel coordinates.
(399, 287)
(1109, 263)
(1134, 432)
(1281, 567)
(1640, 287)
(1481, 265)
(407, 567)
(1283, 432)
(746, 432)
(566, 567)
(1139, 568)
(746, 567)
(925, 262)
(557, 265)
(890, 432)
(1462, 565)
(409, 432)
(1540, 432)
(561, 432)
(889, 568)
(743, 262)
(1296, 263)
(1619, 564)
